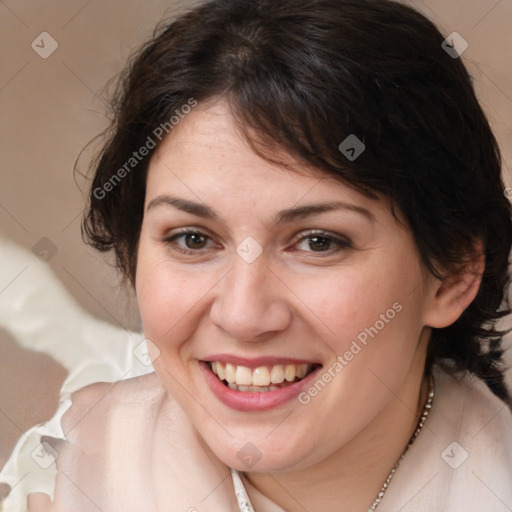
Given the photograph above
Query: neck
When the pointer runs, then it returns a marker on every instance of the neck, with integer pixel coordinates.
(351, 478)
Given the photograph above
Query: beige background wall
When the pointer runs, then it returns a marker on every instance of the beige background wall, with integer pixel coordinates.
(51, 108)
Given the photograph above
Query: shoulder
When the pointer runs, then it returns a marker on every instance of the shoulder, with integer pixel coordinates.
(98, 401)
(481, 415)
(130, 447)
(103, 406)
(475, 428)
(135, 390)
(107, 427)
(462, 460)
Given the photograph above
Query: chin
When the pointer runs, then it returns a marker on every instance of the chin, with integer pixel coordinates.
(250, 452)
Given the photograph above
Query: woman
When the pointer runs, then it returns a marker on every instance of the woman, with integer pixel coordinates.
(306, 197)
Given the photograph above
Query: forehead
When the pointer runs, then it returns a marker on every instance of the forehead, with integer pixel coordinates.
(209, 140)
(206, 156)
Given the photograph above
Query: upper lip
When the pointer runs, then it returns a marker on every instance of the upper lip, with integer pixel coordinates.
(256, 362)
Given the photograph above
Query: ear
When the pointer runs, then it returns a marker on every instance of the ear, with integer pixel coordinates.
(450, 296)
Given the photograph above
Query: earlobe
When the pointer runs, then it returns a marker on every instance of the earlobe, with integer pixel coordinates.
(450, 296)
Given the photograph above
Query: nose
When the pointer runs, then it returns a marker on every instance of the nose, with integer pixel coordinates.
(251, 302)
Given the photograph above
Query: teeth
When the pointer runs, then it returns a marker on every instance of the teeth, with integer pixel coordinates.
(229, 372)
(263, 378)
(289, 372)
(256, 389)
(300, 372)
(243, 376)
(277, 374)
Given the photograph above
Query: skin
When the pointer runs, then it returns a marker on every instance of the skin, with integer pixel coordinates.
(294, 300)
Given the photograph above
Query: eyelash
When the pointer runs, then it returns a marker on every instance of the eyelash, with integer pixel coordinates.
(340, 243)
(170, 241)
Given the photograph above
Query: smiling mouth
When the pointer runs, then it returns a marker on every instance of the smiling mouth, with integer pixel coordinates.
(262, 378)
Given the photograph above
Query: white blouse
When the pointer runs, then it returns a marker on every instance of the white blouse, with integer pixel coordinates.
(461, 461)
(113, 457)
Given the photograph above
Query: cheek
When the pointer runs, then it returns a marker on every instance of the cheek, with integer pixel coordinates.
(169, 301)
(379, 306)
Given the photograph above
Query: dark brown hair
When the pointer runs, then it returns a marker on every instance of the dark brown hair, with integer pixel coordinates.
(301, 76)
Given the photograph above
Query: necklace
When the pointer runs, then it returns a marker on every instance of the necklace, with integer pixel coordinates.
(244, 501)
(424, 414)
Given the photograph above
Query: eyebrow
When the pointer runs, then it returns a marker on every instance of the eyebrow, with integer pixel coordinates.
(198, 209)
(302, 212)
(284, 216)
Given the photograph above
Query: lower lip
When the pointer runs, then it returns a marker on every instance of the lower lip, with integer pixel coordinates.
(254, 402)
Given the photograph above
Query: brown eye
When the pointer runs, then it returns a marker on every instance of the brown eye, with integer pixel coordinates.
(322, 242)
(195, 240)
(319, 243)
(189, 242)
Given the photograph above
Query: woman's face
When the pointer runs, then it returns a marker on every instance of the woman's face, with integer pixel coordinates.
(305, 293)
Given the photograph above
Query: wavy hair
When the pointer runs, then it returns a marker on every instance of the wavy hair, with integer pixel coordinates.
(302, 75)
